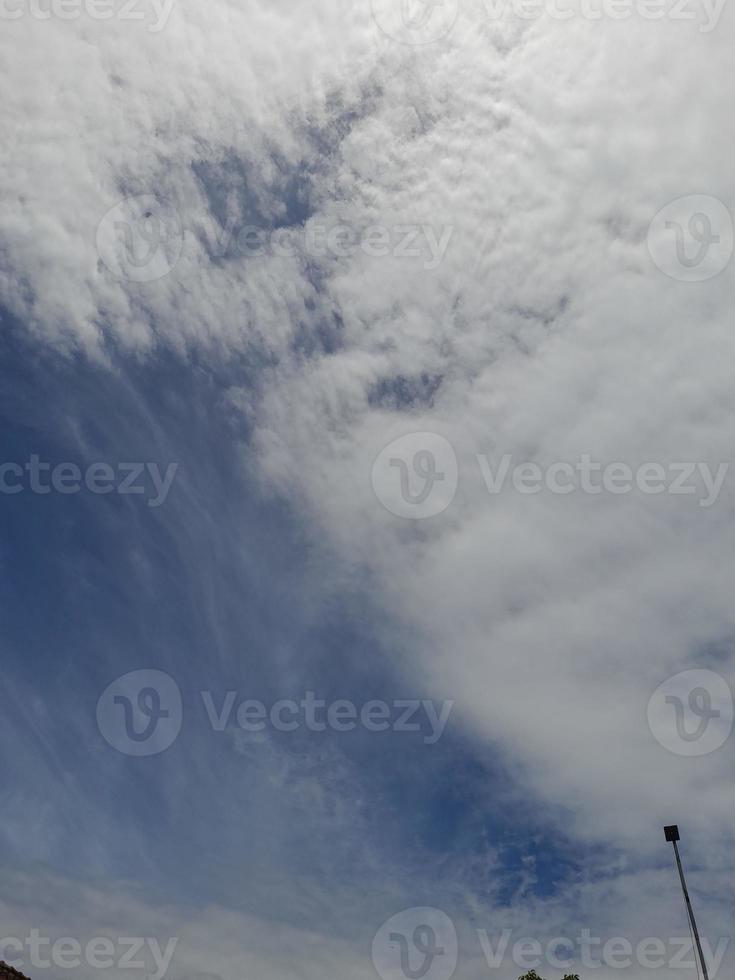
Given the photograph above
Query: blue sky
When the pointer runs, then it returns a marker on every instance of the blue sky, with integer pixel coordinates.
(223, 588)
(217, 588)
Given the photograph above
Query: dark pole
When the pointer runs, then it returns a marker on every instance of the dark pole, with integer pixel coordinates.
(672, 835)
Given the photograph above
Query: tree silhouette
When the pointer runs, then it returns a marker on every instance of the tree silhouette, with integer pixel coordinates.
(532, 975)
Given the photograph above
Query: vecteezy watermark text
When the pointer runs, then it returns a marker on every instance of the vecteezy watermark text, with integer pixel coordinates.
(37, 476)
(341, 715)
(428, 21)
(141, 713)
(421, 944)
(99, 953)
(590, 476)
(705, 12)
(124, 10)
(593, 952)
(338, 240)
(416, 476)
(141, 239)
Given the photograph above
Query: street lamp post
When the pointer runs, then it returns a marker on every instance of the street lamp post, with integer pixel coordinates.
(672, 835)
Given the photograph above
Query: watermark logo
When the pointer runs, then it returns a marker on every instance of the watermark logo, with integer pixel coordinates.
(416, 944)
(415, 21)
(416, 476)
(141, 713)
(692, 713)
(691, 238)
(140, 239)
